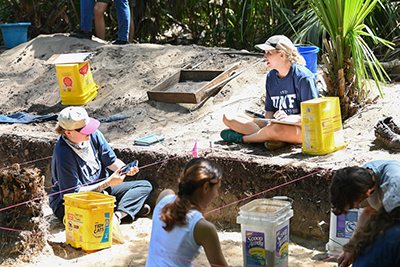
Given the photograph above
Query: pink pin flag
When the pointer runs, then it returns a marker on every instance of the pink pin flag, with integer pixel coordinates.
(194, 150)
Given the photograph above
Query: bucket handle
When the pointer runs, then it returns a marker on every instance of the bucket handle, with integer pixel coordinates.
(284, 198)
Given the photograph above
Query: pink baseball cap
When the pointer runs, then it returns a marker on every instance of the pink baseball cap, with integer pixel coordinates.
(76, 118)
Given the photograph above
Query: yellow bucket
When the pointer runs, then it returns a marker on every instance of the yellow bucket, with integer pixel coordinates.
(76, 83)
(88, 220)
(321, 126)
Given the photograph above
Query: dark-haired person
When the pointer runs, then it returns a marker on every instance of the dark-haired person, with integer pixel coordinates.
(377, 243)
(372, 186)
(80, 161)
(179, 229)
(288, 84)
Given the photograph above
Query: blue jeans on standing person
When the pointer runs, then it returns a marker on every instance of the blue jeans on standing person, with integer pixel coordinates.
(87, 13)
(123, 17)
(129, 197)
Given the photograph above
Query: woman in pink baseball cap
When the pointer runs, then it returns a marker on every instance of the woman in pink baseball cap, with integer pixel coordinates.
(80, 161)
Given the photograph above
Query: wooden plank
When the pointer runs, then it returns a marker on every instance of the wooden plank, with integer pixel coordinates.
(170, 90)
(172, 97)
(199, 75)
(200, 95)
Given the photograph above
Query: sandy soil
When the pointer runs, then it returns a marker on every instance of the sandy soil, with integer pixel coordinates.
(134, 251)
(124, 75)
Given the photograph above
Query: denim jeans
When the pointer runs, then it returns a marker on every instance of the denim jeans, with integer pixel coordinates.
(87, 13)
(129, 197)
(123, 16)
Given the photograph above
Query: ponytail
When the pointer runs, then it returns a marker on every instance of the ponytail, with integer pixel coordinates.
(196, 173)
(295, 57)
(175, 213)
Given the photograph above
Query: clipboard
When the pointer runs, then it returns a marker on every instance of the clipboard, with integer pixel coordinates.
(279, 121)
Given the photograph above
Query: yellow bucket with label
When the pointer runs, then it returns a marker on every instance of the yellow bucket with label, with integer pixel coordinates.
(88, 220)
(76, 83)
(321, 126)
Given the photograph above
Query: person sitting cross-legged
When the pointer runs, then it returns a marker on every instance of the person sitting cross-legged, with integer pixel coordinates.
(288, 84)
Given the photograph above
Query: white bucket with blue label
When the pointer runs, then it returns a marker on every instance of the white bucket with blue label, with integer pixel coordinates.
(265, 231)
(341, 229)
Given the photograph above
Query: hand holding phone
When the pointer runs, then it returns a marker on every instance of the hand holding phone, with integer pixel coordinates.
(127, 167)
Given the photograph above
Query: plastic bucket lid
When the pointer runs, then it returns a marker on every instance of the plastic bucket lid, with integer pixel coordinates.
(14, 33)
(265, 209)
(310, 55)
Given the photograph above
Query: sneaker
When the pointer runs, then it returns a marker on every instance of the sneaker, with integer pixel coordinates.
(82, 35)
(389, 122)
(119, 42)
(389, 138)
(117, 217)
(231, 136)
(274, 145)
(144, 211)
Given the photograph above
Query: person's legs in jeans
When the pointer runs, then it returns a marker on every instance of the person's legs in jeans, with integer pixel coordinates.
(123, 16)
(130, 196)
(87, 11)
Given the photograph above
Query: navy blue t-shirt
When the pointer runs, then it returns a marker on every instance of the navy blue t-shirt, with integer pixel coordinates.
(287, 93)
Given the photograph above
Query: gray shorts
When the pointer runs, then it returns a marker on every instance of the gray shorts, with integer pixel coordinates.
(132, 3)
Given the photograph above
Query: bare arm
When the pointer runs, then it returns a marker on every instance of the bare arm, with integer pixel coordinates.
(116, 165)
(164, 193)
(206, 236)
(343, 258)
(114, 179)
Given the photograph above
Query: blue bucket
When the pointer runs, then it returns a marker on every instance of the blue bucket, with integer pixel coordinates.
(310, 55)
(14, 33)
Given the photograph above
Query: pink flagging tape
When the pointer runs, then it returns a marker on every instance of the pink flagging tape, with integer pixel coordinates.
(46, 100)
(331, 257)
(194, 154)
(68, 189)
(240, 200)
(21, 231)
(194, 150)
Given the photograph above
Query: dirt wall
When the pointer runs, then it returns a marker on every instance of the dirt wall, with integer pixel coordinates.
(242, 179)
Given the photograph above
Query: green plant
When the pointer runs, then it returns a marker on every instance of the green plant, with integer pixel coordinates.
(348, 55)
(384, 20)
(251, 21)
(45, 16)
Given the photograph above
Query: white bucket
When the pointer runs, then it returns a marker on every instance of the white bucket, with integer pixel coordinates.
(341, 229)
(265, 231)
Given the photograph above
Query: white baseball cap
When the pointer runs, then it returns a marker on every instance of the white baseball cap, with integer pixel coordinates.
(76, 118)
(280, 42)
